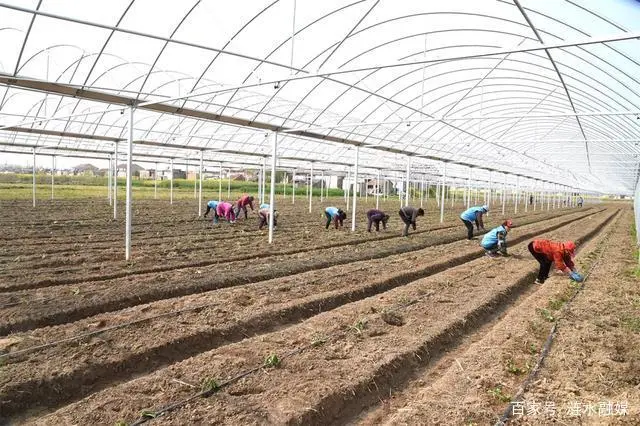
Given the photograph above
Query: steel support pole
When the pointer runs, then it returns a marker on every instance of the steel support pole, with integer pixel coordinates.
(321, 185)
(229, 184)
(527, 195)
(115, 182)
(490, 194)
(378, 191)
(272, 192)
(517, 197)
(452, 194)
(427, 195)
(345, 182)
(155, 182)
(348, 188)
(109, 179)
(33, 175)
(386, 189)
(406, 192)
(366, 190)
(444, 180)
(293, 187)
(195, 186)
(504, 193)
(220, 183)
(171, 182)
(311, 188)
(264, 177)
(128, 190)
(53, 167)
(548, 193)
(422, 191)
(200, 188)
(469, 188)
(355, 180)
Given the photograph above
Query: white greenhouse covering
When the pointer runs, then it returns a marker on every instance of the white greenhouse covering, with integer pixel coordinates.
(545, 89)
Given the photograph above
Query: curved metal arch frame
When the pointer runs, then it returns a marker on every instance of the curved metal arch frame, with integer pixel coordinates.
(603, 93)
(34, 15)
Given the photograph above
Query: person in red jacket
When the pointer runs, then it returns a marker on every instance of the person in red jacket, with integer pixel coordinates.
(242, 203)
(549, 252)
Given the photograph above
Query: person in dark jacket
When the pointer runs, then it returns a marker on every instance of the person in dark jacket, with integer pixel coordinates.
(336, 215)
(377, 216)
(409, 215)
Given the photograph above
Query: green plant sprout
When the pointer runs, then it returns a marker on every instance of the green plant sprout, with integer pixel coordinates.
(272, 361)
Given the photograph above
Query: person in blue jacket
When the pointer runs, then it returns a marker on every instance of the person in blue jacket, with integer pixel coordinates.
(336, 215)
(212, 205)
(471, 215)
(495, 241)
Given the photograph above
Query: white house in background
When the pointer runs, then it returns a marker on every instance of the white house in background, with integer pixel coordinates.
(177, 174)
(135, 169)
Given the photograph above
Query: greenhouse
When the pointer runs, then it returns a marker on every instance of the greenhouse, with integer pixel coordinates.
(319, 212)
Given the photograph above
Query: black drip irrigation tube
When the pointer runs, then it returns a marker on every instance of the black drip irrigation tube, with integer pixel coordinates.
(508, 412)
(150, 415)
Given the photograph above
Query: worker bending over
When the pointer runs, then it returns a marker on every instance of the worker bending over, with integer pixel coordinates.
(263, 215)
(375, 217)
(471, 215)
(336, 215)
(225, 210)
(212, 205)
(409, 215)
(242, 203)
(548, 252)
(495, 241)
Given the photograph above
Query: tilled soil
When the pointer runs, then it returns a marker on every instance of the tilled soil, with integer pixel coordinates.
(475, 383)
(60, 255)
(351, 355)
(79, 322)
(109, 346)
(27, 309)
(592, 372)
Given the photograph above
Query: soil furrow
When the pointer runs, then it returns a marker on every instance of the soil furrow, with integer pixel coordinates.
(344, 360)
(227, 320)
(64, 303)
(468, 385)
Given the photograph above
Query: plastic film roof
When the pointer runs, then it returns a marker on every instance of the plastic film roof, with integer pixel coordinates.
(548, 90)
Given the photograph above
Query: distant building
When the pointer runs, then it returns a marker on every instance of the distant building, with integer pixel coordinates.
(85, 170)
(166, 174)
(135, 170)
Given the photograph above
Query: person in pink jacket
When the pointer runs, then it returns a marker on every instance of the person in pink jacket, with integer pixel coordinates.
(225, 210)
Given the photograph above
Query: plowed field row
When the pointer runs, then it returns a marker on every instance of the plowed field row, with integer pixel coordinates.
(26, 309)
(340, 360)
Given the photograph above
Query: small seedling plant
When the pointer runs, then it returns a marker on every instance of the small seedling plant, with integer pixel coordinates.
(271, 361)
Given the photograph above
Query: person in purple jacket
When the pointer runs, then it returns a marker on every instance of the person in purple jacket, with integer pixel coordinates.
(409, 215)
(376, 216)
